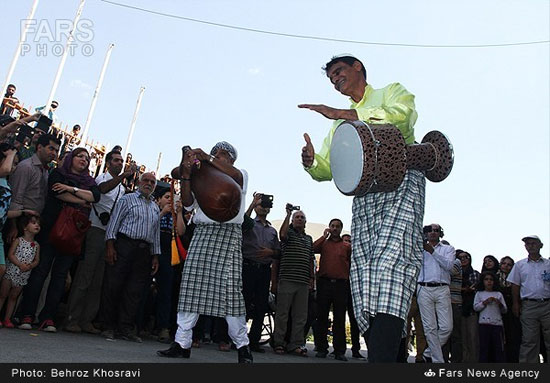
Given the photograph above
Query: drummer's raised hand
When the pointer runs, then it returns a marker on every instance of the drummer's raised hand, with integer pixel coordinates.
(307, 152)
(331, 113)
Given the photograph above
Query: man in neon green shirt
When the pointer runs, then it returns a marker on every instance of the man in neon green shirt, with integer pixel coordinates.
(387, 226)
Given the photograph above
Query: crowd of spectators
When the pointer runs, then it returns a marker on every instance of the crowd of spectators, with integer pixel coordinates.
(125, 282)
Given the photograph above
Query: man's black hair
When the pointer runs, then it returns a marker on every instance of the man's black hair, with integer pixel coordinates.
(45, 139)
(12, 86)
(347, 60)
(336, 219)
(109, 156)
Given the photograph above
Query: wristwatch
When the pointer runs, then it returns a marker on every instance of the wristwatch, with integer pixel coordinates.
(75, 189)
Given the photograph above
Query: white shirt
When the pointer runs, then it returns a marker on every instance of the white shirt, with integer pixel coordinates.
(437, 267)
(106, 201)
(533, 277)
(200, 217)
(490, 314)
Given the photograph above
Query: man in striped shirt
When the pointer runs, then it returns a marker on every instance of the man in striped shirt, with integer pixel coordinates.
(132, 250)
(295, 280)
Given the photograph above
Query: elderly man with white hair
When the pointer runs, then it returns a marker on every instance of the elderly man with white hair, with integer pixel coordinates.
(212, 276)
(132, 250)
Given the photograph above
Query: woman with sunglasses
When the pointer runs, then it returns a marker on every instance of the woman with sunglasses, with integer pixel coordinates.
(512, 324)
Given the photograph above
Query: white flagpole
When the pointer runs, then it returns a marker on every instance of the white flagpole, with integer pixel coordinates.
(158, 166)
(22, 38)
(96, 93)
(133, 125)
(70, 39)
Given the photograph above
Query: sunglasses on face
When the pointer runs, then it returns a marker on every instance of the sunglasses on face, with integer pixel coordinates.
(429, 229)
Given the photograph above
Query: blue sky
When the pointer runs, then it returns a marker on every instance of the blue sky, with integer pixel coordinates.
(206, 83)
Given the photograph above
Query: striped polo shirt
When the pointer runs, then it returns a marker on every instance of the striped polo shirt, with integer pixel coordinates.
(297, 257)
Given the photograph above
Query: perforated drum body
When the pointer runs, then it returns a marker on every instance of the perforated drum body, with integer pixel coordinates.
(367, 158)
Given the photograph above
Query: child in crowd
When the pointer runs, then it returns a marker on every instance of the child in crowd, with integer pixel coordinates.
(8, 162)
(23, 256)
(490, 304)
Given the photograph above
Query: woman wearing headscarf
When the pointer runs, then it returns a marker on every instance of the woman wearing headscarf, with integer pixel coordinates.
(512, 324)
(70, 184)
(469, 330)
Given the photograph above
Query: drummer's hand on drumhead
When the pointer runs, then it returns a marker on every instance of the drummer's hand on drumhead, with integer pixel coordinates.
(200, 154)
(189, 158)
(308, 152)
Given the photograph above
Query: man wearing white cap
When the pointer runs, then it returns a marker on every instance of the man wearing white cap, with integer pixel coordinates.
(530, 280)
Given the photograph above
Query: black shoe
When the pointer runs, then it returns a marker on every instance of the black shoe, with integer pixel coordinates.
(245, 356)
(175, 351)
(321, 354)
(358, 355)
(256, 348)
(340, 357)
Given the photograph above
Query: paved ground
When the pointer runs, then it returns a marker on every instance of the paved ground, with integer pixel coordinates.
(64, 347)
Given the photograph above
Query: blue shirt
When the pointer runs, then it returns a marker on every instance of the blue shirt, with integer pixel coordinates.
(137, 217)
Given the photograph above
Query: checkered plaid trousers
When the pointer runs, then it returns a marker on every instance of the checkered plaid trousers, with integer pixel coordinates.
(387, 248)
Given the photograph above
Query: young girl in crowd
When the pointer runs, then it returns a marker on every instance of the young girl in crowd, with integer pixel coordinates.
(490, 304)
(23, 256)
(8, 161)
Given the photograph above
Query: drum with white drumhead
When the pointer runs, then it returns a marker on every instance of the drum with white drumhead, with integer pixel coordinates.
(368, 158)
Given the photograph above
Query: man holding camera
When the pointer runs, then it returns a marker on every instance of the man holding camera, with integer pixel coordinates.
(386, 226)
(296, 274)
(85, 293)
(433, 293)
(260, 246)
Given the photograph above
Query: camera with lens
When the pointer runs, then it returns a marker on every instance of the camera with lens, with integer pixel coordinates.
(267, 201)
(104, 218)
(292, 207)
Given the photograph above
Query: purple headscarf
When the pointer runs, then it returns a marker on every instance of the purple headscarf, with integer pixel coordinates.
(83, 180)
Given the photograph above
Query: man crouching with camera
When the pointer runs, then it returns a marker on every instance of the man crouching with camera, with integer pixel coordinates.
(295, 280)
(86, 290)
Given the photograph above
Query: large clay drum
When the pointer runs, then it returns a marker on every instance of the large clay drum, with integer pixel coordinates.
(367, 158)
(218, 195)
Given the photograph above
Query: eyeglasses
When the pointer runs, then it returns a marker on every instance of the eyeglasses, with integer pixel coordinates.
(83, 156)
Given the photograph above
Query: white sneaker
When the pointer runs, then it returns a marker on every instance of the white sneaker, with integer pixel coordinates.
(48, 326)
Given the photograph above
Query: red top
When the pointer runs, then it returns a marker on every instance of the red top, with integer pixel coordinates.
(335, 258)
